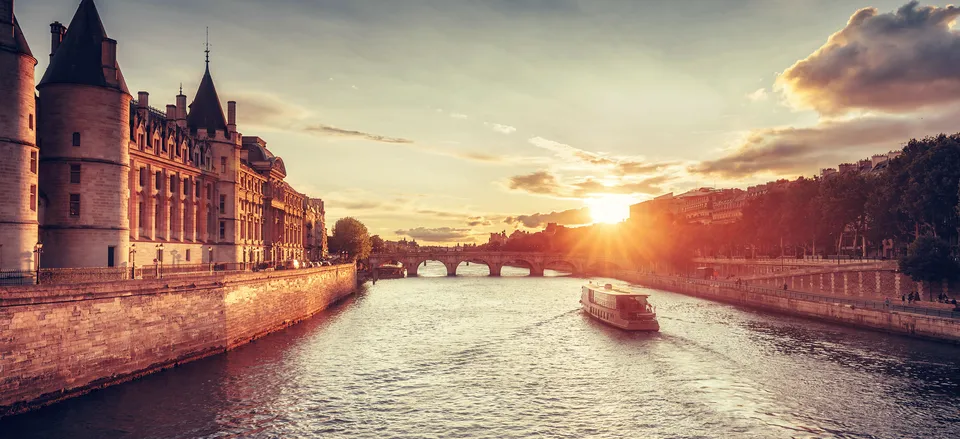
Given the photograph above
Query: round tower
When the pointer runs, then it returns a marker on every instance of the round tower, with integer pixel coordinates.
(18, 146)
(85, 164)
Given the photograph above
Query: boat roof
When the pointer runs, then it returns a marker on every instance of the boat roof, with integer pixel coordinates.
(616, 290)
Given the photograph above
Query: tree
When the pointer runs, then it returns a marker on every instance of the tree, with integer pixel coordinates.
(351, 236)
(929, 259)
(376, 243)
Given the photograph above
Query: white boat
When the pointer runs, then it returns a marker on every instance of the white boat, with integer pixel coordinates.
(620, 307)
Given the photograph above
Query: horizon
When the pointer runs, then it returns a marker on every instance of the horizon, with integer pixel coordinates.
(541, 112)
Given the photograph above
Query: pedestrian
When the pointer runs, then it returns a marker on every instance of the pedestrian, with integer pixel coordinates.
(903, 297)
(886, 302)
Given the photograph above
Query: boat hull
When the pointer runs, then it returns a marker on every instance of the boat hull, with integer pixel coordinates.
(612, 318)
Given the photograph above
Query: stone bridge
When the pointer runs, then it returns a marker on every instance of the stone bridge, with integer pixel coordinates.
(536, 261)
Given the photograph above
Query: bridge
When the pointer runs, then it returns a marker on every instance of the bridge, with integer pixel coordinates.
(495, 260)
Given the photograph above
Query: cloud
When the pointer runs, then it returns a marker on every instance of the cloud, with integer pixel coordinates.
(759, 95)
(569, 152)
(439, 234)
(360, 205)
(540, 182)
(573, 217)
(331, 131)
(545, 183)
(795, 151)
(268, 110)
(641, 168)
(500, 128)
(476, 221)
(459, 116)
(893, 62)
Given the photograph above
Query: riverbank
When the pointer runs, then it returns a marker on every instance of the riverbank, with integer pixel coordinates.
(915, 322)
(57, 342)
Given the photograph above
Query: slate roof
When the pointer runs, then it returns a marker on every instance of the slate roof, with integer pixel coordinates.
(79, 58)
(206, 111)
(19, 39)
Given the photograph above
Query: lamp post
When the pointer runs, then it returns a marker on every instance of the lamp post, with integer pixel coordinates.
(38, 249)
(133, 261)
(160, 261)
(210, 257)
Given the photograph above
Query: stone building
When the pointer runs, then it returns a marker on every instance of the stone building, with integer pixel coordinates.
(18, 146)
(121, 182)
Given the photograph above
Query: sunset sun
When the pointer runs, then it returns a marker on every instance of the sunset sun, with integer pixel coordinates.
(609, 209)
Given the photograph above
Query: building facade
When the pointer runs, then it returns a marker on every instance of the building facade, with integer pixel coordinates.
(106, 180)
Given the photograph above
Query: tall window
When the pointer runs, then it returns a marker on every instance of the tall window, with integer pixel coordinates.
(75, 174)
(158, 180)
(74, 205)
(188, 255)
(223, 230)
(186, 187)
(141, 141)
(223, 203)
(140, 219)
(33, 197)
(223, 165)
(31, 121)
(173, 183)
(76, 139)
(143, 177)
(196, 187)
(33, 162)
(209, 191)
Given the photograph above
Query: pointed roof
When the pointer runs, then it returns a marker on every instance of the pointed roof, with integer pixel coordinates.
(206, 111)
(79, 59)
(19, 40)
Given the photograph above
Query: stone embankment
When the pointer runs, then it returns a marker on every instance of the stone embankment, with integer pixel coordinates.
(936, 324)
(57, 342)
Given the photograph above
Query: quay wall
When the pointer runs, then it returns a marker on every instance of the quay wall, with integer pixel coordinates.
(911, 324)
(61, 341)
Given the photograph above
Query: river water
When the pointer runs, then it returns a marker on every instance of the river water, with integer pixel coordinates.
(471, 356)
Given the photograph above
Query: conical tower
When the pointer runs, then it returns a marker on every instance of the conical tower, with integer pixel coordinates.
(85, 165)
(18, 146)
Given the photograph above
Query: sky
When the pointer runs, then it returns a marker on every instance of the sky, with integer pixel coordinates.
(445, 120)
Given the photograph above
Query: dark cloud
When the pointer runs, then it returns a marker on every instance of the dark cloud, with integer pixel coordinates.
(475, 221)
(797, 151)
(440, 213)
(439, 234)
(360, 205)
(652, 185)
(540, 182)
(573, 217)
(894, 62)
(640, 168)
(331, 131)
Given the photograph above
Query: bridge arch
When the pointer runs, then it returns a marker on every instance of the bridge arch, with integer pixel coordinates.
(563, 264)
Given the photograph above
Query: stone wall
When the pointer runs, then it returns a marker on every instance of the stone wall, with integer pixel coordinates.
(61, 341)
(918, 325)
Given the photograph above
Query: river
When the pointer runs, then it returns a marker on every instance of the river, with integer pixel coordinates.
(511, 357)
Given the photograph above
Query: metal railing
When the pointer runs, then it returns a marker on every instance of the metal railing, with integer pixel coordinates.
(792, 294)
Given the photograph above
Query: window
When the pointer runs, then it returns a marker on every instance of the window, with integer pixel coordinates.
(186, 187)
(141, 142)
(31, 121)
(209, 191)
(74, 174)
(111, 252)
(76, 139)
(164, 145)
(197, 188)
(33, 162)
(173, 183)
(223, 229)
(223, 203)
(223, 165)
(143, 177)
(159, 177)
(74, 205)
(33, 197)
(188, 255)
(140, 214)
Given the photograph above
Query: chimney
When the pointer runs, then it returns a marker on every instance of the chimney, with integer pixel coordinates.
(232, 116)
(143, 100)
(182, 109)
(57, 32)
(108, 57)
(6, 23)
(171, 113)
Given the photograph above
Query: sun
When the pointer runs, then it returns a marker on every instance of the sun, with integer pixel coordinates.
(609, 209)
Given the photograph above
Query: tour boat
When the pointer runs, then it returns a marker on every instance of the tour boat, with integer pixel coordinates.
(620, 307)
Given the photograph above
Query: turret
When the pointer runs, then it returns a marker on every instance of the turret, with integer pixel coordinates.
(85, 106)
(18, 146)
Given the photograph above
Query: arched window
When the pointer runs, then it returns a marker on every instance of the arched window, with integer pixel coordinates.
(76, 139)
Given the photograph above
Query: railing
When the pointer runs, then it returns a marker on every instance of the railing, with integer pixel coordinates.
(63, 276)
(791, 294)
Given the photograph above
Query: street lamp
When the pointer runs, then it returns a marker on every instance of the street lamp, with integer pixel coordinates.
(210, 257)
(133, 261)
(160, 261)
(38, 249)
